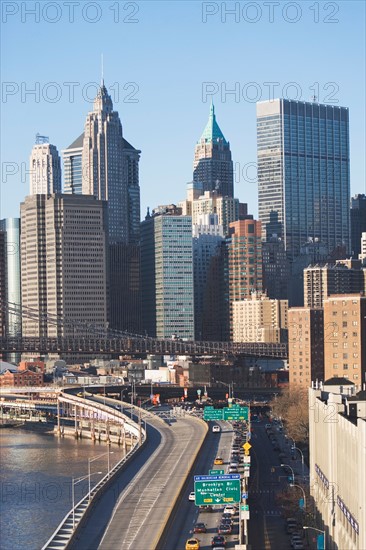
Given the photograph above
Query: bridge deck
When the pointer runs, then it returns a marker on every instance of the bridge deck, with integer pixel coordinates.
(139, 345)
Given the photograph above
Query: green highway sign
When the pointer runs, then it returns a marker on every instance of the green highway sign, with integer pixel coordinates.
(209, 413)
(217, 490)
(216, 472)
(236, 413)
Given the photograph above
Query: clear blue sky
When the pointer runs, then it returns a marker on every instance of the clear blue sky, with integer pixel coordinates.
(169, 52)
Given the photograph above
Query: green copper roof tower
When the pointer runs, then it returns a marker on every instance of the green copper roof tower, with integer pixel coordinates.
(212, 132)
(213, 166)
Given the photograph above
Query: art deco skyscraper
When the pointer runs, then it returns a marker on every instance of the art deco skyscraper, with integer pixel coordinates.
(102, 164)
(44, 168)
(303, 173)
(110, 171)
(213, 166)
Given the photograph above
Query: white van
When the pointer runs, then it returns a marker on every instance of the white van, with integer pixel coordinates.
(216, 428)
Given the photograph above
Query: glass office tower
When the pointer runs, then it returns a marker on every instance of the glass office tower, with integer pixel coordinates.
(73, 176)
(11, 291)
(303, 173)
(167, 274)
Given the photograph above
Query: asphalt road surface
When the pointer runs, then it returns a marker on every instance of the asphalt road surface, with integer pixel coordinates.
(181, 526)
(130, 515)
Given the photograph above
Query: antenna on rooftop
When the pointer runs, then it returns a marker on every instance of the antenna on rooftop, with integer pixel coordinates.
(41, 139)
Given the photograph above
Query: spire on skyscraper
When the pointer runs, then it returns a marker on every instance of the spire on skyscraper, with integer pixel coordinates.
(102, 67)
(103, 101)
(212, 132)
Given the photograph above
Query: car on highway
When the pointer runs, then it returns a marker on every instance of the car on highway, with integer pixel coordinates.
(230, 509)
(216, 429)
(218, 461)
(218, 540)
(226, 521)
(224, 529)
(192, 496)
(193, 544)
(233, 469)
(200, 528)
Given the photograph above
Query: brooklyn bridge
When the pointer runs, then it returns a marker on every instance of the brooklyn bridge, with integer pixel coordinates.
(77, 338)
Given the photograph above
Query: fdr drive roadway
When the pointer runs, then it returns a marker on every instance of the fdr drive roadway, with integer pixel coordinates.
(131, 514)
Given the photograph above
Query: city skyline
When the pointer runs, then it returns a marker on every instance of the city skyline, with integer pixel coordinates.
(168, 96)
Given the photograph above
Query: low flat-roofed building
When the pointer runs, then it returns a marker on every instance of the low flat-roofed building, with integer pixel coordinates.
(25, 378)
(337, 437)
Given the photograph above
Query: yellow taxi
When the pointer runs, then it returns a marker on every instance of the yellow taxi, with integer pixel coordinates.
(218, 461)
(193, 544)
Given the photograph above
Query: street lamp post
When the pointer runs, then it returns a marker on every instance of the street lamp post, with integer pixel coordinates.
(302, 459)
(90, 460)
(75, 481)
(303, 492)
(293, 474)
(230, 386)
(316, 529)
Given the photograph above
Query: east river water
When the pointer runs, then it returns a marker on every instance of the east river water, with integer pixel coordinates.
(36, 471)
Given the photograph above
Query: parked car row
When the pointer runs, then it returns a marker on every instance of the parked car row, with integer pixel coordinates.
(296, 533)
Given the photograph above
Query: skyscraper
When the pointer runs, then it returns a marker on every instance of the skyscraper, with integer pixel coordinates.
(276, 269)
(131, 159)
(213, 166)
(102, 164)
(208, 236)
(110, 171)
(2, 283)
(167, 274)
(73, 174)
(303, 173)
(358, 222)
(44, 168)
(64, 258)
(11, 230)
(244, 261)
